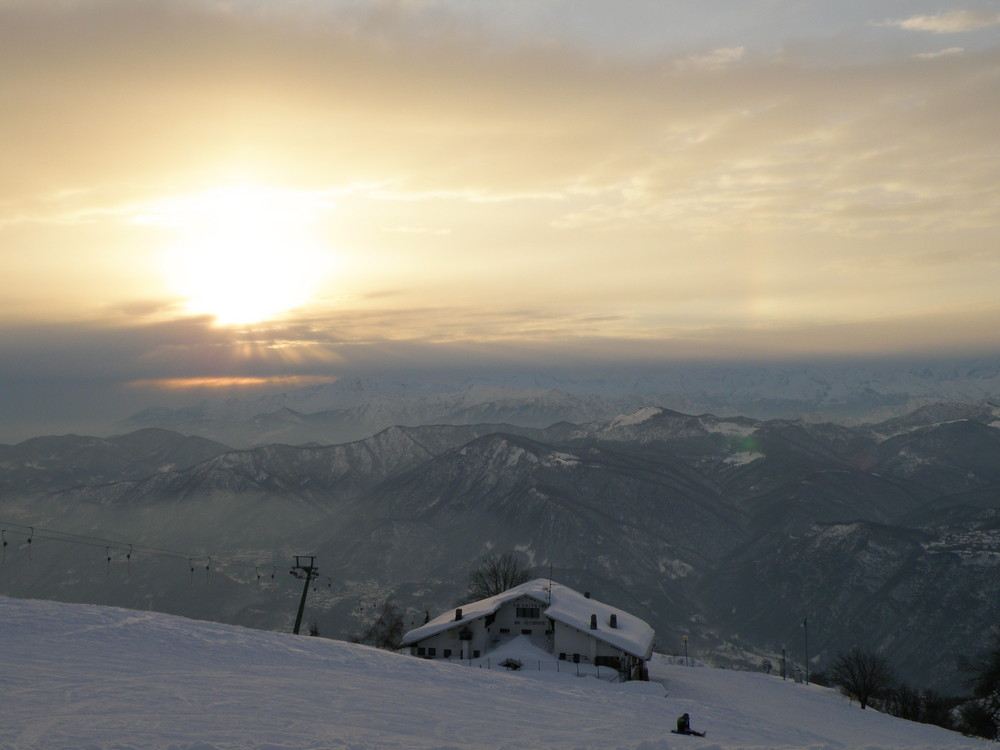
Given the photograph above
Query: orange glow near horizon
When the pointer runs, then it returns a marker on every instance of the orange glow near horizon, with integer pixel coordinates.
(177, 384)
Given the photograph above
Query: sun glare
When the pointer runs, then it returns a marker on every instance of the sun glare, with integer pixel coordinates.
(244, 253)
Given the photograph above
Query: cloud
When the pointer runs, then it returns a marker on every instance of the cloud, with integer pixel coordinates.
(81, 379)
(417, 230)
(374, 99)
(491, 194)
(950, 52)
(952, 22)
(714, 60)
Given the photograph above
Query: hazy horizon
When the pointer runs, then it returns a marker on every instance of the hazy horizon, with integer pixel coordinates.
(103, 403)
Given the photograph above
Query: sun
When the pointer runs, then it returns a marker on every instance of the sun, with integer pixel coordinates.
(245, 253)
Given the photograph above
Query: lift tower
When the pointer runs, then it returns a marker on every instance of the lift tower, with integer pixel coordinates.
(305, 568)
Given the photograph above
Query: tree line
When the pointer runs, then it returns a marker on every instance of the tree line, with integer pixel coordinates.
(869, 678)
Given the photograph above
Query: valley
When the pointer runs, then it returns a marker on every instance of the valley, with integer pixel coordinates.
(726, 530)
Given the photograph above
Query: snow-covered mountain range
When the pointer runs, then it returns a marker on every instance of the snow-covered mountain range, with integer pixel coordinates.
(355, 408)
(726, 530)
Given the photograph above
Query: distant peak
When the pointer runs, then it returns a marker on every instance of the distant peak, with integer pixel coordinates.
(637, 417)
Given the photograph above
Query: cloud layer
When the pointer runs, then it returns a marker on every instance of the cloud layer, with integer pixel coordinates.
(952, 22)
(498, 177)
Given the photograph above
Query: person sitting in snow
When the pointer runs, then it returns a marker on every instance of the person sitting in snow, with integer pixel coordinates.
(684, 726)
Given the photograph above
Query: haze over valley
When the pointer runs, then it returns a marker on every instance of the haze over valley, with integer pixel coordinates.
(728, 530)
(689, 305)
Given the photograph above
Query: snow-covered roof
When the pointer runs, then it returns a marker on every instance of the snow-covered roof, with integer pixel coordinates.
(562, 604)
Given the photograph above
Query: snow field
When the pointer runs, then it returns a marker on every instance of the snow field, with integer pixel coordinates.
(83, 677)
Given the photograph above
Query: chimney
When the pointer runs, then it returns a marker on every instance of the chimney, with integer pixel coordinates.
(458, 614)
(586, 594)
(614, 621)
(593, 622)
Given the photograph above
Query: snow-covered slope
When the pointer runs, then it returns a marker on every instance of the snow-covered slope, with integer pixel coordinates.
(78, 676)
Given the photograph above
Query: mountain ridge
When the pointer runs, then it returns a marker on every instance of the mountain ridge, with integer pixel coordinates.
(353, 408)
(666, 510)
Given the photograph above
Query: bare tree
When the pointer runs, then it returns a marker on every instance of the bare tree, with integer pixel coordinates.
(903, 701)
(495, 575)
(384, 627)
(983, 713)
(863, 674)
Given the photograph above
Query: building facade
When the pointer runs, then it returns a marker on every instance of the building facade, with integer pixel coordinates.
(565, 623)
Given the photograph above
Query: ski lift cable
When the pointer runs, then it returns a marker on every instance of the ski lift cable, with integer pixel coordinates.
(130, 549)
(62, 536)
(126, 547)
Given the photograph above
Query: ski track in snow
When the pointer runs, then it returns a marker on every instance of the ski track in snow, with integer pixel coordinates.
(83, 677)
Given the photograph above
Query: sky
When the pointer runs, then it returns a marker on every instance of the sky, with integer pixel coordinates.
(198, 194)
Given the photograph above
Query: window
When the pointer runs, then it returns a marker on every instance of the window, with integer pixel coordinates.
(526, 631)
(475, 654)
(432, 652)
(421, 651)
(447, 653)
(504, 630)
(528, 613)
